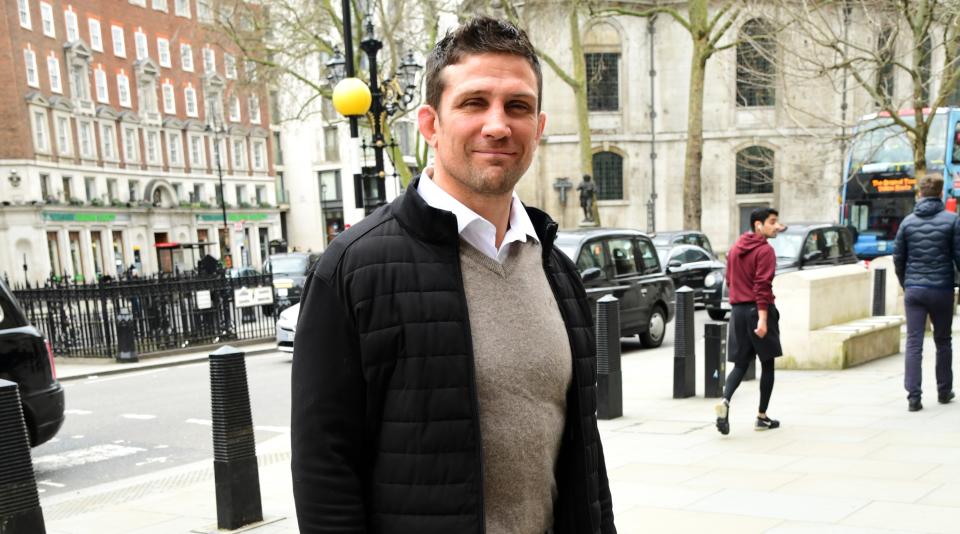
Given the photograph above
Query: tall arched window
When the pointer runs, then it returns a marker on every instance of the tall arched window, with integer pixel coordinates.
(601, 46)
(886, 43)
(755, 170)
(608, 175)
(756, 67)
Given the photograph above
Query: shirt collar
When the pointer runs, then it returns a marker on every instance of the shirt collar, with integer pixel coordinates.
(436, 197)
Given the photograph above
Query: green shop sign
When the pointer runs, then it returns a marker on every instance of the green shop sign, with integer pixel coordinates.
(80, 217)
(232, 217)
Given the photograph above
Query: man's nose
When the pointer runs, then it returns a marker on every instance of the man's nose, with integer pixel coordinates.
(495, 123)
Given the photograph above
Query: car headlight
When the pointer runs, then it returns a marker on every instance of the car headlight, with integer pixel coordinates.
(711, 280)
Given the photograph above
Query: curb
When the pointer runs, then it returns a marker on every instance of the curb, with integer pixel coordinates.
(155, 365)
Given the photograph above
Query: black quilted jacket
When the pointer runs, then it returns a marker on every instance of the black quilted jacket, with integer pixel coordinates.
(927, 246)
(385, 429)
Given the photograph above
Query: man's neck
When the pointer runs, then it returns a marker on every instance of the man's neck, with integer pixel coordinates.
(493, 208)
(760, 235)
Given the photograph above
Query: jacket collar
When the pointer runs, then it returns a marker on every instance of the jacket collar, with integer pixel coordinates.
(438, 226)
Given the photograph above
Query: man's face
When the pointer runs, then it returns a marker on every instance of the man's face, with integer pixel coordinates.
(770, 227)
(487, 128)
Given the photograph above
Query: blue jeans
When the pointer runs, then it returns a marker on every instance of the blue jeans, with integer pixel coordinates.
(938, 304)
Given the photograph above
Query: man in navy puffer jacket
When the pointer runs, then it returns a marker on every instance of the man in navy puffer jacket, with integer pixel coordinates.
(926, 250)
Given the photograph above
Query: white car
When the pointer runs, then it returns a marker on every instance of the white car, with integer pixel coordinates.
(287, 327)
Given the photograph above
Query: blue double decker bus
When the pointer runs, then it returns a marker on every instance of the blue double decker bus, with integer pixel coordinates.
(879, 188)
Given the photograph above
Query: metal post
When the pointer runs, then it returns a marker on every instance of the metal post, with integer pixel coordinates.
(879, 292)
(609, 377)
(20, 511)
(126, 348)
(715, 359)
(234, 447)
(684, 347)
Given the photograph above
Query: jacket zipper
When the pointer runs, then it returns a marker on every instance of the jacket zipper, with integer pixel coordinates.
(574, 382)
(475, 397)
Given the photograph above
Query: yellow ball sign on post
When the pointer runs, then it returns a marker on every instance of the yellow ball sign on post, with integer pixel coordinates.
(351, 97)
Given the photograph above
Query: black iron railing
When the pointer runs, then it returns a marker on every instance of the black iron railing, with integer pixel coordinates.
(169, 312)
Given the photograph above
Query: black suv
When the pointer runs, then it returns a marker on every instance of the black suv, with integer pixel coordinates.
(801, 246)
(289, 274)
(623, 263)
(26, 358)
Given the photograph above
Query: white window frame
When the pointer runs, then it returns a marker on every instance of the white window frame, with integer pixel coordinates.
(181, 8)
(85, 132)
(159, 5)
(152, 143)
(163, 52)
(72, 23)
(141, 3)
(253, 102)
(46, 20)
(230, 67)
(259, 156)
(174, 149)
(30, 62)
(100, 81)
(123, 90)
(140, 42)
(186, 57)
(169, 98)
(119, 45)
(196, 150)
(96, 34)
(131, 144)
(64, 136)
(41, 134)
(190, 101)
(56, 77)
(108, 140)
(235, 108)
(239, 156)
(204, 11)
(23, 10)
(209, 60)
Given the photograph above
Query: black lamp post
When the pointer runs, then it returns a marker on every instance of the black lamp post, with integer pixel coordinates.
(216, 128)
(388, 97)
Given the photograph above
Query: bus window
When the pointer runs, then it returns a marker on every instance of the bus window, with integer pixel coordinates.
(956, 143)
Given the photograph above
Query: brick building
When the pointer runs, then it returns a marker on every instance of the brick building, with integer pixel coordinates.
(115, 116)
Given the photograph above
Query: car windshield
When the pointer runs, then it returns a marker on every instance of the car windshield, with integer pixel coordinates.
(568, 245)
(292, 265)
(787, 245)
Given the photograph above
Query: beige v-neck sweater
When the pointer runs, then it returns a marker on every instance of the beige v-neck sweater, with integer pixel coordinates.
(523, 371)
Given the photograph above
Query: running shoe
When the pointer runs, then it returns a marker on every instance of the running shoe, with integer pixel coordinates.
(723, 417)
(765, 423)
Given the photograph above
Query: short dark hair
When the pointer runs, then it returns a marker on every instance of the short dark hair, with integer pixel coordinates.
(931, 185)
(479, 35)
(760, 215)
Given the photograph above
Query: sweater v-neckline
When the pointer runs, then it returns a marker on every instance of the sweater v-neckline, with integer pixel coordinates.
(503, 270)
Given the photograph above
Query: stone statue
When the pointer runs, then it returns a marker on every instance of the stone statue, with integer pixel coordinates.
(587, 194)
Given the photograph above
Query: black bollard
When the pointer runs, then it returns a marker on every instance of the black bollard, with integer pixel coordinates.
(684, 347)
(234, 448)
(609, 377)
(126, 347)
(20, 511)
(879, 292)
(715, 359)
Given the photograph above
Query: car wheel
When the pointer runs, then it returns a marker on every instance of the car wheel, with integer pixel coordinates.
(656, 329)
(717, 315)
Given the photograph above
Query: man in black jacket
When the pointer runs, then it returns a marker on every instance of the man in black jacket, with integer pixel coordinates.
(444, 366)
(926, 251)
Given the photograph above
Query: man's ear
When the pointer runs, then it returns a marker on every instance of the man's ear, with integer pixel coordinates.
(428, 120)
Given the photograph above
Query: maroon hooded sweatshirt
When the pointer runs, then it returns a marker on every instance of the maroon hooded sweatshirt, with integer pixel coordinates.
(751, 264)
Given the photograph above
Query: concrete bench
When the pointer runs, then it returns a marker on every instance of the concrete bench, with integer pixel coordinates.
(826, 322)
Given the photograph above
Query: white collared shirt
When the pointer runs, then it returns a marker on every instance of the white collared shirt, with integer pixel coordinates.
(473, 228)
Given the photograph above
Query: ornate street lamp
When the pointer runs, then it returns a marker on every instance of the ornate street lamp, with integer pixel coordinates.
(382, 99)
(216, 128)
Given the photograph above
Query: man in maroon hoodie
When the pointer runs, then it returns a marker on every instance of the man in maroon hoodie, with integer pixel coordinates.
(754, 320)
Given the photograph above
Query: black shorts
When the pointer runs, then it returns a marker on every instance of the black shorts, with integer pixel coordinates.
(742, 344)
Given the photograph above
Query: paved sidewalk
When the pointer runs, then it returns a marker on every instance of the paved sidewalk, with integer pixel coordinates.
(848, 459)
(77, 368)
